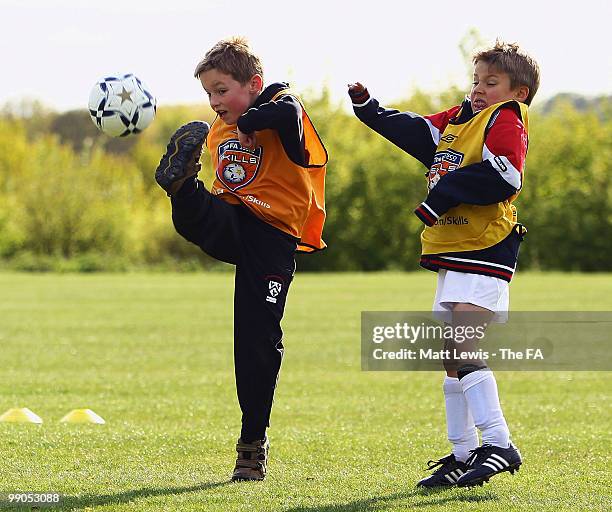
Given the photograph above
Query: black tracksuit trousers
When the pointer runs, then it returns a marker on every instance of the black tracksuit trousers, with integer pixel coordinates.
(265, 263)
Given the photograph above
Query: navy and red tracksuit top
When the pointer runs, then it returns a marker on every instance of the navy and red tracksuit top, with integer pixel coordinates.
(475, 165)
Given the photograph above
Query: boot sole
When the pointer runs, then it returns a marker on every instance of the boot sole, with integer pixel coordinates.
(481, 481)
(247, 479)
(437, 486)
(185, 141)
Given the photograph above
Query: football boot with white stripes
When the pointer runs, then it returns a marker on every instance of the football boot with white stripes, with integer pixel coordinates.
(446, 475)
(488, 460)
(182, 157)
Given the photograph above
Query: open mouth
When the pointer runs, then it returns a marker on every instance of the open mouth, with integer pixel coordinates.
(479, 105)
(222, 113)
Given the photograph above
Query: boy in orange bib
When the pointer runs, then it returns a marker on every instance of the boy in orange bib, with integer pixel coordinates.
(266, 203)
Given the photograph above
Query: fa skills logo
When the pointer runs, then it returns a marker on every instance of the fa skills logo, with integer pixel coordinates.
(237, 166)
(443, 163)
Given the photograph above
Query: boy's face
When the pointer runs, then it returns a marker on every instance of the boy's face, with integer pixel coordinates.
(228, 97)
(491, 86)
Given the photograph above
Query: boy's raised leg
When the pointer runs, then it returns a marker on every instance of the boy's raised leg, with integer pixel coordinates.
(181, 159)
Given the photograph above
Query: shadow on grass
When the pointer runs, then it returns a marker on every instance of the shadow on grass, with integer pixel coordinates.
(425, 498)
(79, 502)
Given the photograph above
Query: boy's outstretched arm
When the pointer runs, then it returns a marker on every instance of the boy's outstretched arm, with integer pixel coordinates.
(416, 135)
(497, 178)
(283, 115)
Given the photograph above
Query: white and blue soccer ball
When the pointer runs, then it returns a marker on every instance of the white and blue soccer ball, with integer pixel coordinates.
(121, 105)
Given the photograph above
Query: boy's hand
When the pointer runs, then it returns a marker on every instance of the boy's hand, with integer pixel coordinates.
(247, 140)
(358, 93)
(356, 89)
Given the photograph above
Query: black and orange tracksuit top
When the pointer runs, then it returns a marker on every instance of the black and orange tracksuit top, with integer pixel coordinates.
(475, 163)
(281, 180)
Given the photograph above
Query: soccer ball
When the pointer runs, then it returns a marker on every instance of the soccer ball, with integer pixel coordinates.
(121, 105)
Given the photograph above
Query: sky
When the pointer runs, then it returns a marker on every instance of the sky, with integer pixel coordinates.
(55, 50)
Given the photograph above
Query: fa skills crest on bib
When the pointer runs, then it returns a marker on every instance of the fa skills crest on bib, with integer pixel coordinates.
(237, 166)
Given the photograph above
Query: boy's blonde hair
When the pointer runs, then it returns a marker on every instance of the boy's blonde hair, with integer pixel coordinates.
(509, 58)
(233, 57)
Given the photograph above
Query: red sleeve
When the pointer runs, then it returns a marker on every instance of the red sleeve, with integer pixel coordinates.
(440, 120)
(506, 146)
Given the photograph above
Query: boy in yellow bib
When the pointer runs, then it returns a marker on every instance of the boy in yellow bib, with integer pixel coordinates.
(267, 201)
(475, 155)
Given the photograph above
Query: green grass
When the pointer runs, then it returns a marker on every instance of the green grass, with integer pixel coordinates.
(152, 354)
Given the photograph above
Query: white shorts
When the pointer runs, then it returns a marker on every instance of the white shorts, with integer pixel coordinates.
(485, 291)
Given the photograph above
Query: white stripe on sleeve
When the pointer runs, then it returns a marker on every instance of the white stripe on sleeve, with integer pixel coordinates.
(426, 206)
(435, 133)
(363, 104)
(503, 166)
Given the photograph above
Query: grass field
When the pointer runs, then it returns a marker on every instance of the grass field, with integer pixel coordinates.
(152, 354)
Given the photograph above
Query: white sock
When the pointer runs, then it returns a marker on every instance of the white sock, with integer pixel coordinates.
(462, 432)
(480, 391)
